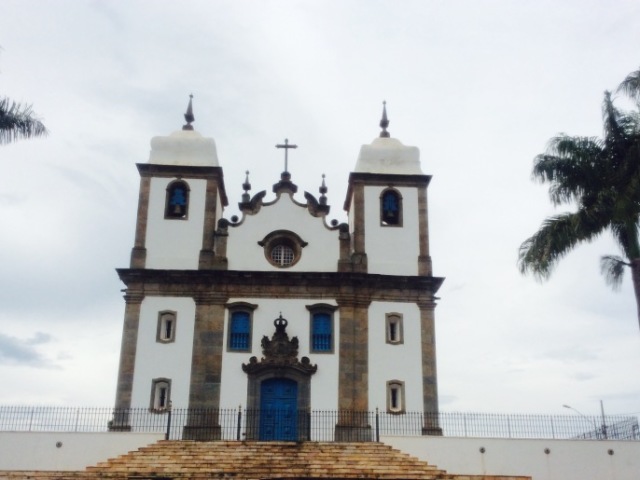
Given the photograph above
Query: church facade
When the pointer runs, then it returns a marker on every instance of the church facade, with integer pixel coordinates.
(279, 309)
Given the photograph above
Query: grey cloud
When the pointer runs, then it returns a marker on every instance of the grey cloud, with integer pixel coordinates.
(16, 351)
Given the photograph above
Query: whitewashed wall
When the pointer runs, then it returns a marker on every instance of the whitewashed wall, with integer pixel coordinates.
(395, 362)
(566, 460)
(392, 250)
(40, 451)
(164, 360)
(175, 243)
(324, 383)
(320, 255)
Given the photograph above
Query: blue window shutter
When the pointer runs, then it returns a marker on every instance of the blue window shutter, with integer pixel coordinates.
(322, 332)
(240, 331)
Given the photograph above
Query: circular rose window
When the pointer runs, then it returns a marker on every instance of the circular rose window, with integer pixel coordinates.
(282, 248)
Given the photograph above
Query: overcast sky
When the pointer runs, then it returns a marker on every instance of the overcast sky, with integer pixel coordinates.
(479, 87)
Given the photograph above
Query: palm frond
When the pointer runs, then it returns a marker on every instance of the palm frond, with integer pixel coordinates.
(18, 121)
(568, 166)
(626, 234)
(630, 86)
(540, 253)
(614, 134)
(612, 267)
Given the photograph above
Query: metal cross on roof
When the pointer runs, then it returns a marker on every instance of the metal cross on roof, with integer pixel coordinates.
(286, 147)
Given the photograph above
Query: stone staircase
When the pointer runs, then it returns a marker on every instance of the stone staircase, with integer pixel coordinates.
(258, 460)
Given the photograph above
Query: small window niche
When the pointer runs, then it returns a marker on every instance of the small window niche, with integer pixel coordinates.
(160, 395)
(391, 208)
(395, 397)
(394, 328)
(167, 322)
(240, 326)
(321, 328)
(177, 201)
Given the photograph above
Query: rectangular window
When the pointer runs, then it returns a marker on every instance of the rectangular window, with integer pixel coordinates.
(166, 332)
(395, 334)
(160, 394)
(395, 397)
(321, 332)
(240, 331)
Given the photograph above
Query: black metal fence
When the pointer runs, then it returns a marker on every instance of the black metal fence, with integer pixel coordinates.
(315, 425)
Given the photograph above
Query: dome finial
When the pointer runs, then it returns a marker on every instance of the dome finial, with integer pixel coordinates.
(384, 122)
(189, 115)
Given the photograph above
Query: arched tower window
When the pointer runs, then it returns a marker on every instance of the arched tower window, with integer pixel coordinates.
(177, 202)
(391, 208)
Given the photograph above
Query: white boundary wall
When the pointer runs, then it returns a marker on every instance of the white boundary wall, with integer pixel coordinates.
(40, 451)
(566, 460)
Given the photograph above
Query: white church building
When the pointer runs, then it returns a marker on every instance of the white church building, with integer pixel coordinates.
(279, 310)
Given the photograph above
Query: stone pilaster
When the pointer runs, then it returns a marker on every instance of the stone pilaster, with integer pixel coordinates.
(139, 251)
(206, 368)
(353, 378)
(127, 361)
(429, 374)
(424, 258)
(359, 255)
(210, 206)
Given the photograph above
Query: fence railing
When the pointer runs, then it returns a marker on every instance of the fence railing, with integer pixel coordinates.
(315, 425)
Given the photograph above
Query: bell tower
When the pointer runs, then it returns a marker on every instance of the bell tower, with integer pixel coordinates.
(181, 198)
(388, 222)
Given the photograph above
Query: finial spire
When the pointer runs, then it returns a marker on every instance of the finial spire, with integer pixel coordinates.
(189, 115)
(323, 192)
(246, 186)
(384, 122)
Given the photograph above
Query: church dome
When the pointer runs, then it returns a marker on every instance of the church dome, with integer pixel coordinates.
(388, 155)
(184, 147)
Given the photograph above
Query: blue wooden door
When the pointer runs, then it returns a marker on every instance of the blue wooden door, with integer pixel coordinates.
(279, 409)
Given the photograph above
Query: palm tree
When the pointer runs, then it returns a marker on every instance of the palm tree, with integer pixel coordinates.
(602, 177)
(18, 121)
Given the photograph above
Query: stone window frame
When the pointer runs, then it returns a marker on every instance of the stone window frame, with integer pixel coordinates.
(398, 196)
(396, 397)
(170, 187)
(158, 403)
(324, 308)
(163, 317)
(287, 239)
(391, 319)
(239, 307)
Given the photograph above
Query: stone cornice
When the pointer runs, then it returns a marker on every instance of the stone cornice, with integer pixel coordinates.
(259, 284)
(385, 180)
(185, 171)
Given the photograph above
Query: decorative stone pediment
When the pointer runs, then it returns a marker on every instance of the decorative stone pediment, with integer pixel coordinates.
(279, 352)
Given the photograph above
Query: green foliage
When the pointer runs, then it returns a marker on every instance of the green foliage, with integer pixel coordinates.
(601, 177)
(18, 121)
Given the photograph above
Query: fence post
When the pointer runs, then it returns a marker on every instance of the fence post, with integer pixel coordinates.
(239, 426)
(166, 435)
(377, 425)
